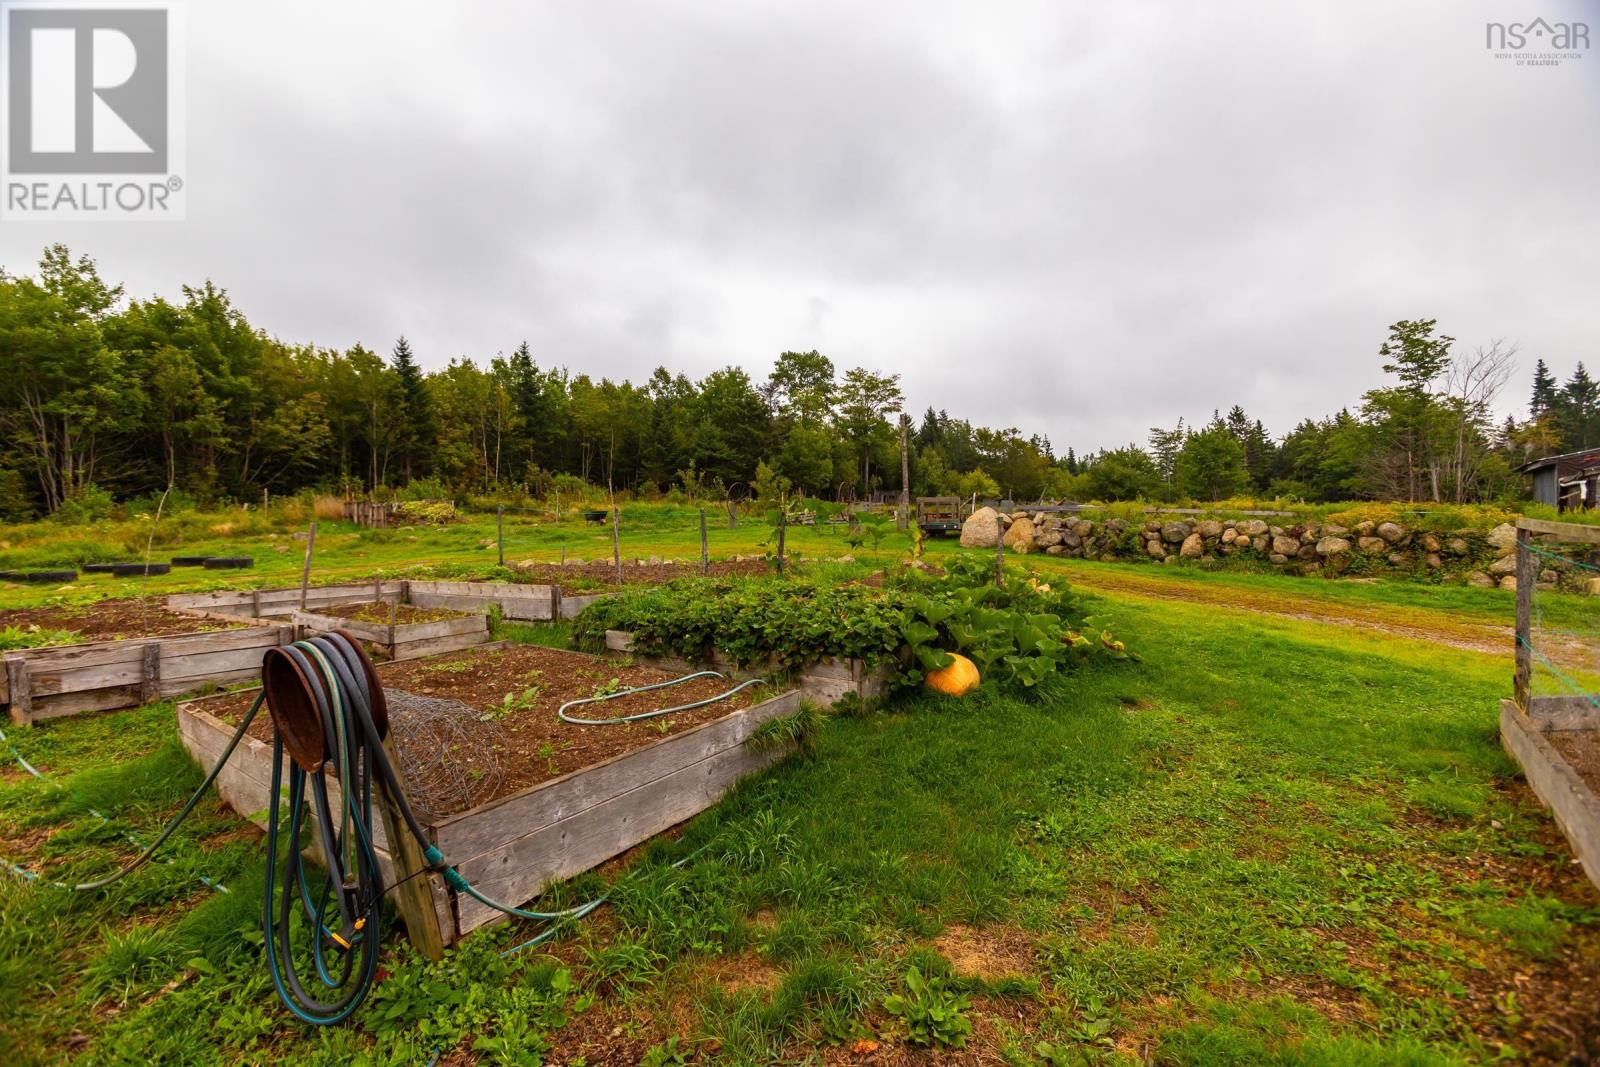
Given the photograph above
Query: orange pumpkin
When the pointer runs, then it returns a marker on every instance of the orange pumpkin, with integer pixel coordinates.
(958, 679)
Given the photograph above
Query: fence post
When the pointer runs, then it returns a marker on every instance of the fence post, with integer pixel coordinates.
(616, 544)
(705, 554)
(1522, 679)
(783, 526)
(999, 555)
(500, 530)
(305, 571)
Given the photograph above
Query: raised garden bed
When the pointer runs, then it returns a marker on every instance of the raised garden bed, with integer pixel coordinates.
(47, 683)
(514, 600)
(399, 631)
(826, 682)
(564, 797)
(122, 619)
(602, 574)
(1557, 744)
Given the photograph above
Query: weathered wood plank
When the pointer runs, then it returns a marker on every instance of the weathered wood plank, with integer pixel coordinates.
(486, 828)
(526, 866)
(19, 681)
(406, 650)
(1571, 802)
(1566, 531)
(1554, 713)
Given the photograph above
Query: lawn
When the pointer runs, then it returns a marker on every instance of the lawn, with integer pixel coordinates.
(1269, 841)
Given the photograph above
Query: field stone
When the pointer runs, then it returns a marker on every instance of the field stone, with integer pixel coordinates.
(1371, 544)
(1155, 548)
(1193, 546)
(1284, 545)
(1504, 565)
(1397, 559)
(1591, 586)
(1364, 528)
(1055, 550)
(982, 529)
(1432, 560)
(1049, 538)
(1253, 527)
(1308, 551)
(1229, 535)
(1508, 582)
(1278, 558)
(1391, 532)
(1430, 543)
(1259, 542)
(1332, 546)
(1019, 538)
(1482, 580)
(1208, 528)
(1503, 538)
(1174, 533)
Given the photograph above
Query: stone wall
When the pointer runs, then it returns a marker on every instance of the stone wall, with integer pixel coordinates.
(1477, 557)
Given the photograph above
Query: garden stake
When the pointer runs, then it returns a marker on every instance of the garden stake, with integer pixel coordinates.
(705, 557)
(305, 572)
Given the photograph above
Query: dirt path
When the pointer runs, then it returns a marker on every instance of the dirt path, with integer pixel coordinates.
(1396, 621)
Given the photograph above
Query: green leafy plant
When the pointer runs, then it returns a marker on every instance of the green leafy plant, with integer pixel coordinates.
(666, 1054)
(933, 1013)
(33, 635)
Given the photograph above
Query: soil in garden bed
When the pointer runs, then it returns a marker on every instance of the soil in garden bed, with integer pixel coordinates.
(577, 578)
(109, 620)
(378, 612)
(520, 687)
(1581, 748)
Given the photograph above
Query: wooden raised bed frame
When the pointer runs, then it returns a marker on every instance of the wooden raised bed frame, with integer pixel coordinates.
(521, 603)
(1558, 786)
(514, 848)
(48, 683)
(397, 641)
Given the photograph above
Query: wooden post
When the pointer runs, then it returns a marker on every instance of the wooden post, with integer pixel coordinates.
(394, 609)
(705, 554)
(413, 895)
(555, 603)
(783, 525)
(999, 555)
(500, 530)
(255, 603)
(150, 674)
(20, 680)
(1523, 678)
(905, 474)
(616, 544)
(305, 571)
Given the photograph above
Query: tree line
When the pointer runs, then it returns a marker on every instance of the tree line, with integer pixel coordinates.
(109, 397)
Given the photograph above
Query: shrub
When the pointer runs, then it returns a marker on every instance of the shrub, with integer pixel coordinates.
(87, 505)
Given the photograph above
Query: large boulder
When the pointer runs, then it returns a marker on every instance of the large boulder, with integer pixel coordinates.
(1194, 546)
(1044, 537)
(1504, 565)
(1391, 532)
(1372, 544)
(1173, 533)
(1253, 527)
(1155, 547)
(981, 530)
(1332, 546)
(1019, 538)
(1208, 528)
(1284, 545)
(1503, 538)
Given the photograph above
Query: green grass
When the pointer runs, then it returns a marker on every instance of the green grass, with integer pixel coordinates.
(1269, 841)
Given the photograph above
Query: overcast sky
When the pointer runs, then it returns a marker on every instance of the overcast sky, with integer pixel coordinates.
(1080, 219)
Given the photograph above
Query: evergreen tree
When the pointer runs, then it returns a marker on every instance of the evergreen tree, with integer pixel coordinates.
(1577, 410)
(1544, 391)
(419, 430)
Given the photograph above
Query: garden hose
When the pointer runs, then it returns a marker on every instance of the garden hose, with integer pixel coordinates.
(562, 710)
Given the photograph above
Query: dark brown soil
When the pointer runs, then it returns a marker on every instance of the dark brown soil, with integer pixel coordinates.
(1581, 749)
(108, 620)
(600, 574)
(538, 745)
(378, 612)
